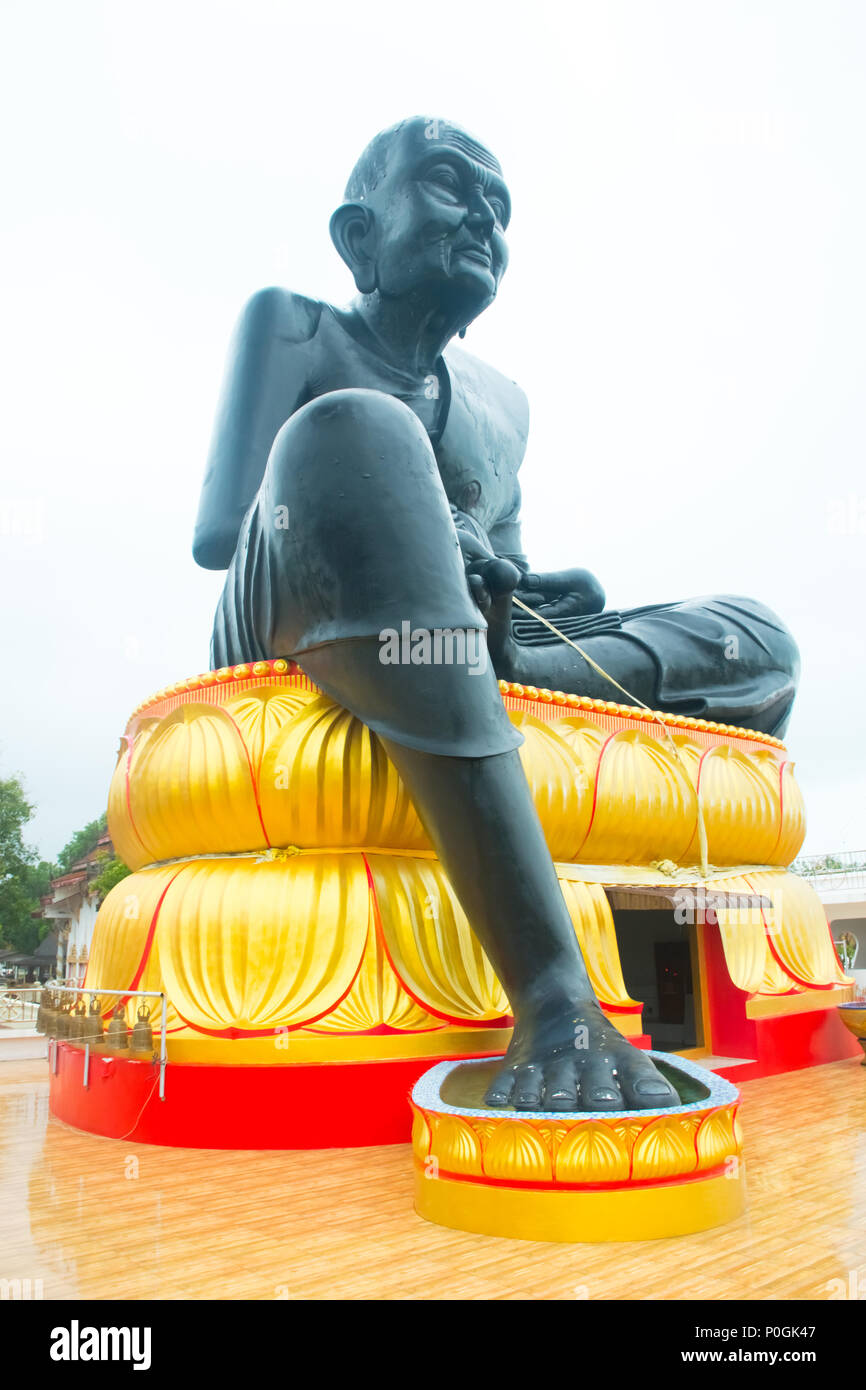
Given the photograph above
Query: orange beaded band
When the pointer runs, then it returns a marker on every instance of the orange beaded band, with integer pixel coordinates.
(278, 667)
(678, 721)
(281, 667)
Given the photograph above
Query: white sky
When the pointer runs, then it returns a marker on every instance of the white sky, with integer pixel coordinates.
(685, 308)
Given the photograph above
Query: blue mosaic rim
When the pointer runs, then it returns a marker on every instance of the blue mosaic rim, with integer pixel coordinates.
(425, 1094)
(853, 1004)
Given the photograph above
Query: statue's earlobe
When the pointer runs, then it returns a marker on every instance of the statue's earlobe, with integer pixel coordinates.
(353, 229)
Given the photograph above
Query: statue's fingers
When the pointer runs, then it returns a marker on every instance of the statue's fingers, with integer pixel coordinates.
(568, 606)
(473, 549)
(480, 593)
(501, 577)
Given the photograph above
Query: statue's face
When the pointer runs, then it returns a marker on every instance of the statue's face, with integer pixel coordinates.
(441, 213)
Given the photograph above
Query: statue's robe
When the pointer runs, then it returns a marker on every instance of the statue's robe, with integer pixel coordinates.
(312, 563)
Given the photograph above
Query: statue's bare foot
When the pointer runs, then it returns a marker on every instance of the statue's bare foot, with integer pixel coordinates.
(577, 1060)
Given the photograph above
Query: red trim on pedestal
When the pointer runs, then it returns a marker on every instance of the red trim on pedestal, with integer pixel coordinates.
(601, 753)
(253, 781)
(788, 969)
(622, 1185)
(772, 1045)
(151, 932)
(422, 1003)
(275, 1030)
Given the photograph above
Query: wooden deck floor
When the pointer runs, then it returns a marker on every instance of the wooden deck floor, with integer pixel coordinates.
(105, 1219)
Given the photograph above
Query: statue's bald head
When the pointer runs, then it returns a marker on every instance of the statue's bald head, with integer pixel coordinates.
(405, 138)
(425, 214)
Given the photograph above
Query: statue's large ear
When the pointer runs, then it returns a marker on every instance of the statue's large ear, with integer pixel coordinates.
(353, 232)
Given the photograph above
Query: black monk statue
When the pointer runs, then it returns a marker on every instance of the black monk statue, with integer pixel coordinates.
(363, 476)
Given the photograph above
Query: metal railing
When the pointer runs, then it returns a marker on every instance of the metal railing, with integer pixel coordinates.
(118, 994)
(841, 859)
(16, 1009)
(844, 869)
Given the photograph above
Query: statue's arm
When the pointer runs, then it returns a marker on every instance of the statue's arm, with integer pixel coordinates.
(266, 381)
(506, 535)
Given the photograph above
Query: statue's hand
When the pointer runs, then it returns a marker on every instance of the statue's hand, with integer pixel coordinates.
(491, 579)
(491, 583)
(563, 594)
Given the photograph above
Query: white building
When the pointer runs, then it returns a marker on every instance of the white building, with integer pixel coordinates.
(72, 909)
(840, 882)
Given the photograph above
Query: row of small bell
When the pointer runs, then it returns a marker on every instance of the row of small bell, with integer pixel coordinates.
(58, 1017)
(142, 1033)
(117, 1032)
(52, 1018)
(118, 1036)
(85, 1024)
(93, 1022)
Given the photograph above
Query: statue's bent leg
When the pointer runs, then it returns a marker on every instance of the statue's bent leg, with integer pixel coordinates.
(370, 547)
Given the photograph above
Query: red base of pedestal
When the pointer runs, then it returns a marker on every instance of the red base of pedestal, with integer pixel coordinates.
(337, 1105)
(790, 1044)
(340, 1105)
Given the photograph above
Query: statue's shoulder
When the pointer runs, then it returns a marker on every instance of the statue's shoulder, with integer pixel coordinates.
(491, 386)
(283, 314)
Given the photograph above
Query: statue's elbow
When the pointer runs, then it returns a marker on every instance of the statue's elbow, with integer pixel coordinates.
(212, 550)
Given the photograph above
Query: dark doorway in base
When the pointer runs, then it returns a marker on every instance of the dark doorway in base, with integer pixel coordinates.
(660, 966)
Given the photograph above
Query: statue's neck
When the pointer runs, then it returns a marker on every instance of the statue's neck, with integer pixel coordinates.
(410, 333)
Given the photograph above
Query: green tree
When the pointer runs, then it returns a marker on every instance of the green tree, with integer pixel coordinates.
(114, 872)
(22, 880)
(82, 843)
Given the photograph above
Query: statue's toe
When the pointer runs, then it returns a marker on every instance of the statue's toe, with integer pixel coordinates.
(528, 1091)
(500, 1089)
(599, 1089)
(642, 1085)
(561, 1084)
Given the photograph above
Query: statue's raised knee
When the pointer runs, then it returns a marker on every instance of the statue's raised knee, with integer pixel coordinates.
(343, 427)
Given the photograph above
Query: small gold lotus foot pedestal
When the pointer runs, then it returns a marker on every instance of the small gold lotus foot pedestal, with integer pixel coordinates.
(586, 1176)
(853, 1015)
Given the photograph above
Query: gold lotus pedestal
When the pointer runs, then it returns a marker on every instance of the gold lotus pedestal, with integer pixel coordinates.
(630, 1175)
(853, 1015)
(313, 957)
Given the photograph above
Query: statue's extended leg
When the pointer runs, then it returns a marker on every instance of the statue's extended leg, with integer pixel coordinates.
(564, 1055)
(369, 546)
